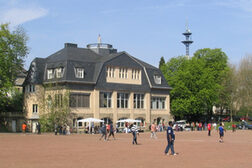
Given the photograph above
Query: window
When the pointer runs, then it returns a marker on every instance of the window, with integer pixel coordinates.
(50, 74)
(123, 73)
(120, 73)
(135, 74)
(30, 88)
(79, 100)
(158, 103)
(79, 72)
(122, 100)
(34, 108)
(59, 72)
(157, 79)
(139, 101)
(105, 99)
(110, 72)
(58, 100)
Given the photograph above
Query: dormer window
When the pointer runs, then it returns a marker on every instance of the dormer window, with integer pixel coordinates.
(110, 72)
(50, 74)
(59, 72)
(157, 79)
(123, 73)
(135, 74)
(79, 72)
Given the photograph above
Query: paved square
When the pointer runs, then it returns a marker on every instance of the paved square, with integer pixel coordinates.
(196, 150)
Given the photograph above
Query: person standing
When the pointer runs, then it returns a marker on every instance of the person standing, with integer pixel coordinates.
(200, 126)
(233, 127)
(214, 125)
(104, 132)
(153, 130)
(24, 127)
(67, 129)
(221, 132)
(38, 128)
(170, 138)
(209, 129)
(111, 131)
(55, 129)
(134, 131)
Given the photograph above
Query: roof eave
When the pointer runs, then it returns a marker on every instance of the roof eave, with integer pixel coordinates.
(157, 87)
(67, 81)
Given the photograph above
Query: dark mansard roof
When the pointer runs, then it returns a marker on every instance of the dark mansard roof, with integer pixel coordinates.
(94, 62)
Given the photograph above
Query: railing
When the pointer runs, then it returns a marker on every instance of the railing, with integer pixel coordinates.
(99, 45)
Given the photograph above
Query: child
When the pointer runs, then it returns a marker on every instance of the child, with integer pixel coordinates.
(221, 132)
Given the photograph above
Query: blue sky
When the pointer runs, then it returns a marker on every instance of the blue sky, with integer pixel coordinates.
(146, 29)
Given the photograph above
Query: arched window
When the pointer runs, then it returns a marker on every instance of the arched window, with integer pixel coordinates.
(121, 124)
(80, 123)
(159, 120)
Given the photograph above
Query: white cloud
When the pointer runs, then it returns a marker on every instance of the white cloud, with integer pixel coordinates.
(17, 16)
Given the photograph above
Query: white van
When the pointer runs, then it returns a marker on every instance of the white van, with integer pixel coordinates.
(181, 124)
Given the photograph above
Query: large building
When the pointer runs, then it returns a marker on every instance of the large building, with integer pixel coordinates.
(101, 83)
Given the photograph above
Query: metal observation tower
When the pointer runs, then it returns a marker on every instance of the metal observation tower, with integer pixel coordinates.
(188, 41)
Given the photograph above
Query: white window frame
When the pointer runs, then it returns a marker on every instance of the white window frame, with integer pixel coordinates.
(110, 72)
(50, 73)
(59, 72)
(138, 101)
(120, 72)
(157, 79)
(123, 73)
(158, 103)
(34, 108)
(79, 72)
(107, 98)
(135, 74)
(122, 97)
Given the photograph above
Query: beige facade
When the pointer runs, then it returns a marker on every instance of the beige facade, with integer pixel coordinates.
(40, 98)
(124, 75)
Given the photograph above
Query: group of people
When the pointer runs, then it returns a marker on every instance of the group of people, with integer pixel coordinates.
(199, 126)
(38, 128)
(62, 130)
(107, 129)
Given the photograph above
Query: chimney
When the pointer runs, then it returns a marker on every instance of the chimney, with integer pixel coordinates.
(70, 45)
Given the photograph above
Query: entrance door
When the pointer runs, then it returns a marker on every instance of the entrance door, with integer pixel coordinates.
(14, 125)
(34, 126)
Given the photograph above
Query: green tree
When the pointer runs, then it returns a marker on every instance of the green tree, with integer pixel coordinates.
(13, 50)
(228, 95)
(161, 62)
(55, 108)
(196, 82)
(245, 85)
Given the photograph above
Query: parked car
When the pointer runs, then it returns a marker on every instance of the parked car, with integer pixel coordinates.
(188, 128)
(181, 125)
(227, 119)
(244, 125)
